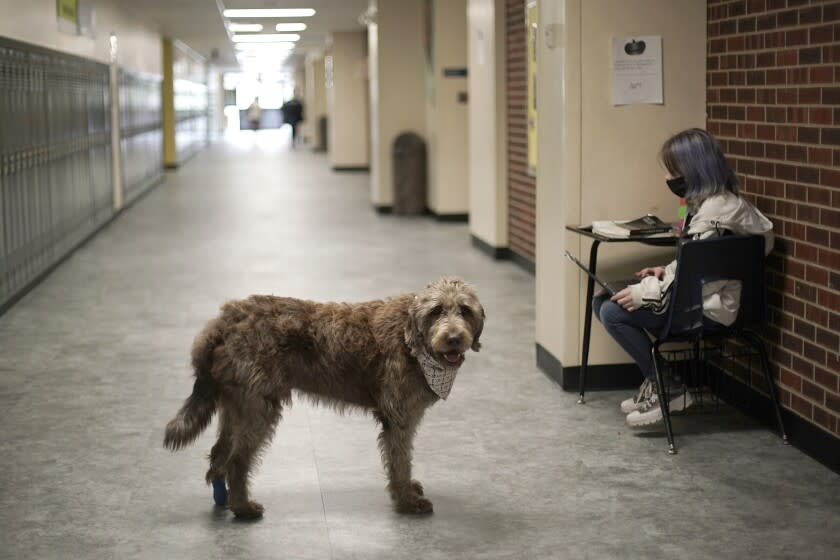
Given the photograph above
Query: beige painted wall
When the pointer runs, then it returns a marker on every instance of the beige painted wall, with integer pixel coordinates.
(487, 122)
(599, 161)
(34, 21)
(316, 96)
(397, 86)
(347, 101)
(299, 89)
(446, 118)
(299, 81)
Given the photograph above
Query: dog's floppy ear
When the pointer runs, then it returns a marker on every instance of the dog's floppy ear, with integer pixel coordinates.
(476, 345)
(413, 336)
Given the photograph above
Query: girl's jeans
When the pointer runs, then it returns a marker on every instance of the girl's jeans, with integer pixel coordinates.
(628, 329)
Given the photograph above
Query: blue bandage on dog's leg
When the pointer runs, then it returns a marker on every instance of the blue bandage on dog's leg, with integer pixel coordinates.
(220, 492)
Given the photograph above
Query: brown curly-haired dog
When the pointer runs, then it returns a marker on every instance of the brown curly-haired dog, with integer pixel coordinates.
(249, 359)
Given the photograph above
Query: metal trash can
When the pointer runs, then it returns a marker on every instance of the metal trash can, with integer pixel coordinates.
(321, 144)
(409, 156)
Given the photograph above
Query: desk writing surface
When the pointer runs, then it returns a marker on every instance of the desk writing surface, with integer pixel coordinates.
(586, 231)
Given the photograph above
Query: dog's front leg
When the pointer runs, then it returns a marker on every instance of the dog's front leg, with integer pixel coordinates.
(396, 442)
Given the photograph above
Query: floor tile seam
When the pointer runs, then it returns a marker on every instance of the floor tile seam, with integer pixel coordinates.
(320, 486)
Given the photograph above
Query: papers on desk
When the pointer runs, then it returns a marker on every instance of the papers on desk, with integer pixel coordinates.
(646, 226)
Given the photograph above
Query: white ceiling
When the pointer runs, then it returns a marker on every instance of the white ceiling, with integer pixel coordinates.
(199, 23)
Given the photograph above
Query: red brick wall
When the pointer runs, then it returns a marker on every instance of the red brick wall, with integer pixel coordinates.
(522, 216)
(773, 97)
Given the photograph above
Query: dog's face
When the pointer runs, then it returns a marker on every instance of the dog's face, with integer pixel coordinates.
(446, 319)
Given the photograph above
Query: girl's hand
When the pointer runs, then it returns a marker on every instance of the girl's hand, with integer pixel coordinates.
(625, 299)
(658, 271)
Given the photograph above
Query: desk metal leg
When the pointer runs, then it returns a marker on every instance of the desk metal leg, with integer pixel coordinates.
(587, 321)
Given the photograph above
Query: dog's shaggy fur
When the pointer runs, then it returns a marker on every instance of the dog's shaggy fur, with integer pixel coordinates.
(249, 359)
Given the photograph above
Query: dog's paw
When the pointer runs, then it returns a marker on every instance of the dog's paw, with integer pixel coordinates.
(417, 487)
(248, 510)
(414, 505)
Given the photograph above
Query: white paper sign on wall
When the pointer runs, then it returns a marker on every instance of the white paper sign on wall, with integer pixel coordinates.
(637, 70)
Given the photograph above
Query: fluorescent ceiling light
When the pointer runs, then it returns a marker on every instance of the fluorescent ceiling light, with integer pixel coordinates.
(269, 13)
(267, 59)
(266, 38)
(264, 46)
(284, 51)
(264, 62)
(290, 26)
(280, 55)
(246, 27)
(265, 54)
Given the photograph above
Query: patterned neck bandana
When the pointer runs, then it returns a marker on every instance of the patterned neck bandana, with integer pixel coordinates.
(439, 377)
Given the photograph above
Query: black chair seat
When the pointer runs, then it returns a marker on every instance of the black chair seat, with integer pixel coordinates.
(730, 257)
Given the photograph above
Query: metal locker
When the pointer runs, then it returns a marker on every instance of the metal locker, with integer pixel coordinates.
(55, 165)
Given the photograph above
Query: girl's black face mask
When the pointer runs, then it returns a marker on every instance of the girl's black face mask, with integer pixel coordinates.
(678, 186)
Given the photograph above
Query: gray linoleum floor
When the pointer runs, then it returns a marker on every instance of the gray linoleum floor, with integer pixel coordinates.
(94, 362)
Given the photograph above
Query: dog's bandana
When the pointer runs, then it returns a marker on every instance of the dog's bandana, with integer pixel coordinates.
(439, 377)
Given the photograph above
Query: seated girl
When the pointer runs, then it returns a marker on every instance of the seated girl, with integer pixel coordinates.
(695, 169)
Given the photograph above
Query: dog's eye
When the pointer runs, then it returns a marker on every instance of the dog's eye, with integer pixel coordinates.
(437, 310)
(466, 311)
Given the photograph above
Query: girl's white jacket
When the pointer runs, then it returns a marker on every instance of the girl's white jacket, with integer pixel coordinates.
(720, 298)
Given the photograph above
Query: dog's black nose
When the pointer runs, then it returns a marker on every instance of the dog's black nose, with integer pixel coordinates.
(454, 341)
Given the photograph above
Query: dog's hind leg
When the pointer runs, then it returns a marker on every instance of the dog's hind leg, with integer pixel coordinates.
(250, 433)
(220, 451)
(396, 442)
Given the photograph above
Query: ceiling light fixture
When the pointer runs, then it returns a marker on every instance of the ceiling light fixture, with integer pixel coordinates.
(264, 46)
(245, 27)
(269, 13)
(290, 26)
(266, 38)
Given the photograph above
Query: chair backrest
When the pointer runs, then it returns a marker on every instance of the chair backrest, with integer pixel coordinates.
(730, 257)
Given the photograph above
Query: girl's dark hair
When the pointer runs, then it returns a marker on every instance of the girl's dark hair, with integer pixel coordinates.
(696, 155)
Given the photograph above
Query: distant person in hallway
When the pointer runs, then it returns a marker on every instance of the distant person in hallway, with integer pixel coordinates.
(254, 114)
(695, 169)
(293, 115)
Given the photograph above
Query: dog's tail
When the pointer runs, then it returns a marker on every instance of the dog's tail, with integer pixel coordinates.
(198, 409)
